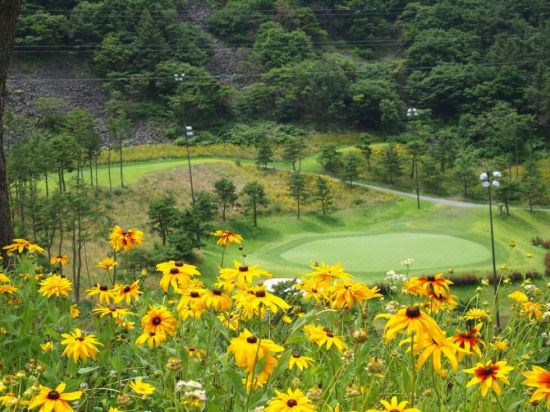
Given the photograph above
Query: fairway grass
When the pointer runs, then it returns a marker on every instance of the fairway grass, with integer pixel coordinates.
(375, 253)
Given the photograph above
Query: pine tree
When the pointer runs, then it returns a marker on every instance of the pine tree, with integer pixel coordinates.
(255, 197)
(298, 190)
(225, 190)
(323, 195)
(265, 154)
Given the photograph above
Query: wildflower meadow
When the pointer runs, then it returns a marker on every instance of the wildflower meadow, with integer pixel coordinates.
(320, 342)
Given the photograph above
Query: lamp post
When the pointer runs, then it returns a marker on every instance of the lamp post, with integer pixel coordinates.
(412, 113)
(489, 180)
(188, 132)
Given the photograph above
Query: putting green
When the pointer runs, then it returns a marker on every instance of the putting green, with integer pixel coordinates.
(379, 253)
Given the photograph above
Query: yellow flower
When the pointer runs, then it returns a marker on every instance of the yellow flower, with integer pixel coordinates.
(74, 311)
(8, 289)
(153, 339)
(216, 300)
(242, 275)
(249, 349)
(292, 401)
(176, 274)
(229, 320)
(141, 388)
(79, 346)
(326, 274)
(532, 311)
(299, 361)
(106, 295)
(436, 284)
(488, 375)
(19, 245)
(254, 300)
(414, 321)
(55, 285)
(312, 290)
(394, 406)
(539, 378)
(4, 278)
(529, 256)
(54, 399)
(344, 295)
(159, 319)
(47, 346)
(435, 348)
(476, 314)
(469, 341)
(107, 263)
(128, 293)
(125, 240)
(111, 409)
(518, 296)
(226, 238)
(500, 345)
(324, 337)
(441, 302)
(61, 259)
(114, 311)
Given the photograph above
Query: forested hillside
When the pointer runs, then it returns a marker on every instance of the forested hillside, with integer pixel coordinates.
(480, 67)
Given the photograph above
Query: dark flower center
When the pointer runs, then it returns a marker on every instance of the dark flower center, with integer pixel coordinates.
(127, 289)
(80, 339)
(157, 320)
(395, 410)
(217, 292)
(174, 271)
(192, 349)
(291, 403)
(413, 312)
(296, 355)
(53, 395)
(103, 288)
(152, 334)
(194, 294)
(330, 334)
(260, 294)
(252, 339)
(178, 264)
(431, 278)
(112, 308)
(243, 268)
(314, 290)
(487, 371)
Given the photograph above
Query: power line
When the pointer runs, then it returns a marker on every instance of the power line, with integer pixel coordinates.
(245, 75)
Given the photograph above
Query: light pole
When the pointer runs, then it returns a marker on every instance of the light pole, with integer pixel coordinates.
(489, 180)
(412, 113)
(188, 132)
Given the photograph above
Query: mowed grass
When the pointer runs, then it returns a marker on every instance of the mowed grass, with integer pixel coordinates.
(367, 241)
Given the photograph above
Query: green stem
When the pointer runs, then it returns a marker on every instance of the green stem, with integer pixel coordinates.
(413, 373)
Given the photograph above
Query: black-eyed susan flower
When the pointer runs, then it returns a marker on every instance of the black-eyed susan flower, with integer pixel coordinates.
(153, 339)
(345, 294)
(216, 300)
(176, 274)
(257, 380)
(116, 312)
(121, 239)
(254, 300)
(489, 374)
(8, 289)
(324, 337)
(469, 341)
(108, 263)
(54, 399)
(128, 293)
(47, 346)
(60, 259)
(19, 245)
(413, 320)
(159, 319)
(313, 291)
(4, 278)
(191, 303)
(291, 401)
(500, 345)
(299, 361)
(74, 311)
(435, 348)
(79, 346)
(241, 275)
(442, 302)
(142, 388)
(106, 295)
(229, 320)
(326, 274)
(435, 284)
(532, 311)
(249, 349)
(539, 378)
(226, 238)
(394, 406)
(55, 285)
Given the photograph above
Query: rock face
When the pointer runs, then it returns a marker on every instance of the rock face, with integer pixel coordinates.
(68, 79)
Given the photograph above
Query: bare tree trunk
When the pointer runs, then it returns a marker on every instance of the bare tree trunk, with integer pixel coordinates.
(9, 11)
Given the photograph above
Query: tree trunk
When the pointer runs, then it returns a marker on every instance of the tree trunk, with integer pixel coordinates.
(96, 178)
(109, 167)
(298, 202)
(255, 212)
(120, 158)
(9, 11)
(223, 211)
